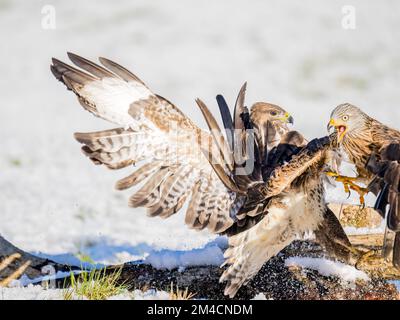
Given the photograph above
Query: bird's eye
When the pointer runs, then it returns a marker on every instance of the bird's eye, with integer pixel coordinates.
(345, 118)
(273, 113)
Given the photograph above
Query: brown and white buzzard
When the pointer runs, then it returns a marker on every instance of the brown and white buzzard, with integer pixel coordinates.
(263, 192)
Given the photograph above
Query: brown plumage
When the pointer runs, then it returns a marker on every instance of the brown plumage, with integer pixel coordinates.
(154, 134)
(265, 117)
(179, 162)
(281, 204)
(374, 148)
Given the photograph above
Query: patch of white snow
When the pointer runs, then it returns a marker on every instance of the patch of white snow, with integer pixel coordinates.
(328, 268)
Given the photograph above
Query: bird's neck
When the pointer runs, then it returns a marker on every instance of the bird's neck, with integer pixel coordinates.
(359, 146)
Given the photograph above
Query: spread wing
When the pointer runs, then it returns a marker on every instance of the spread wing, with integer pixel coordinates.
(261, 229)
(156, 135)
(253, 209)
(250, 180)
(386, 166)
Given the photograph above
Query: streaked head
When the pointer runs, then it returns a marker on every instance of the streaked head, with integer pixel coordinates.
(270, 123)
(262, 111)
(347, 119)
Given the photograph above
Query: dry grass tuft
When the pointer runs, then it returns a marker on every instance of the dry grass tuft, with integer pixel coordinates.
(180, 294)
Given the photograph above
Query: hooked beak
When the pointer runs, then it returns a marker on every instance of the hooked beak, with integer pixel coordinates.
(339, 128)
(287, 118)
(330, 125)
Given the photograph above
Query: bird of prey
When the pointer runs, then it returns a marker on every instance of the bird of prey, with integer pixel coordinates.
(245, 196)
(284, 200)
(374, 149)
(155, 132)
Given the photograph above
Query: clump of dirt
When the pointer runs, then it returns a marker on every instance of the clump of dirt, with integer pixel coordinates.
(356, 216)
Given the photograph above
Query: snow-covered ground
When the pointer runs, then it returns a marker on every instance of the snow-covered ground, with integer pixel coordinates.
(343, 272)
(296, 54)
(37, 292)
(327, 267)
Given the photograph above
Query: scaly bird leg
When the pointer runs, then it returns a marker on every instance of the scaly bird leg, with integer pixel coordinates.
(349, 184)
(361, 192)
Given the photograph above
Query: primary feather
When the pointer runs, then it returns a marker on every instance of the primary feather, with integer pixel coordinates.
(154, 133)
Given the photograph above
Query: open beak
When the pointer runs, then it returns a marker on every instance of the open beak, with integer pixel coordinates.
(339, 128)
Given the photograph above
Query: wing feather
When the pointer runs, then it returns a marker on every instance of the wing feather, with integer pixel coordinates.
(149, 194)
(226, 119)
(386, 167)
(153, 134)
(90, 66)
(175, 187)
(282, 176)
(119, 70)
(216, 133)
(138, 176)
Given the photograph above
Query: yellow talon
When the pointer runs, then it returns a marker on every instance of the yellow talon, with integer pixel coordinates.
(331, 174)
(349, 184)
(361, 192)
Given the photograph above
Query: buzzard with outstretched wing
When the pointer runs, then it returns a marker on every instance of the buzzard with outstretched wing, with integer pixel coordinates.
(262, 185)
(154, 133)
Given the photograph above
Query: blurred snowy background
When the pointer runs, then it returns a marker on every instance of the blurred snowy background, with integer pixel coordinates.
(295, 54)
